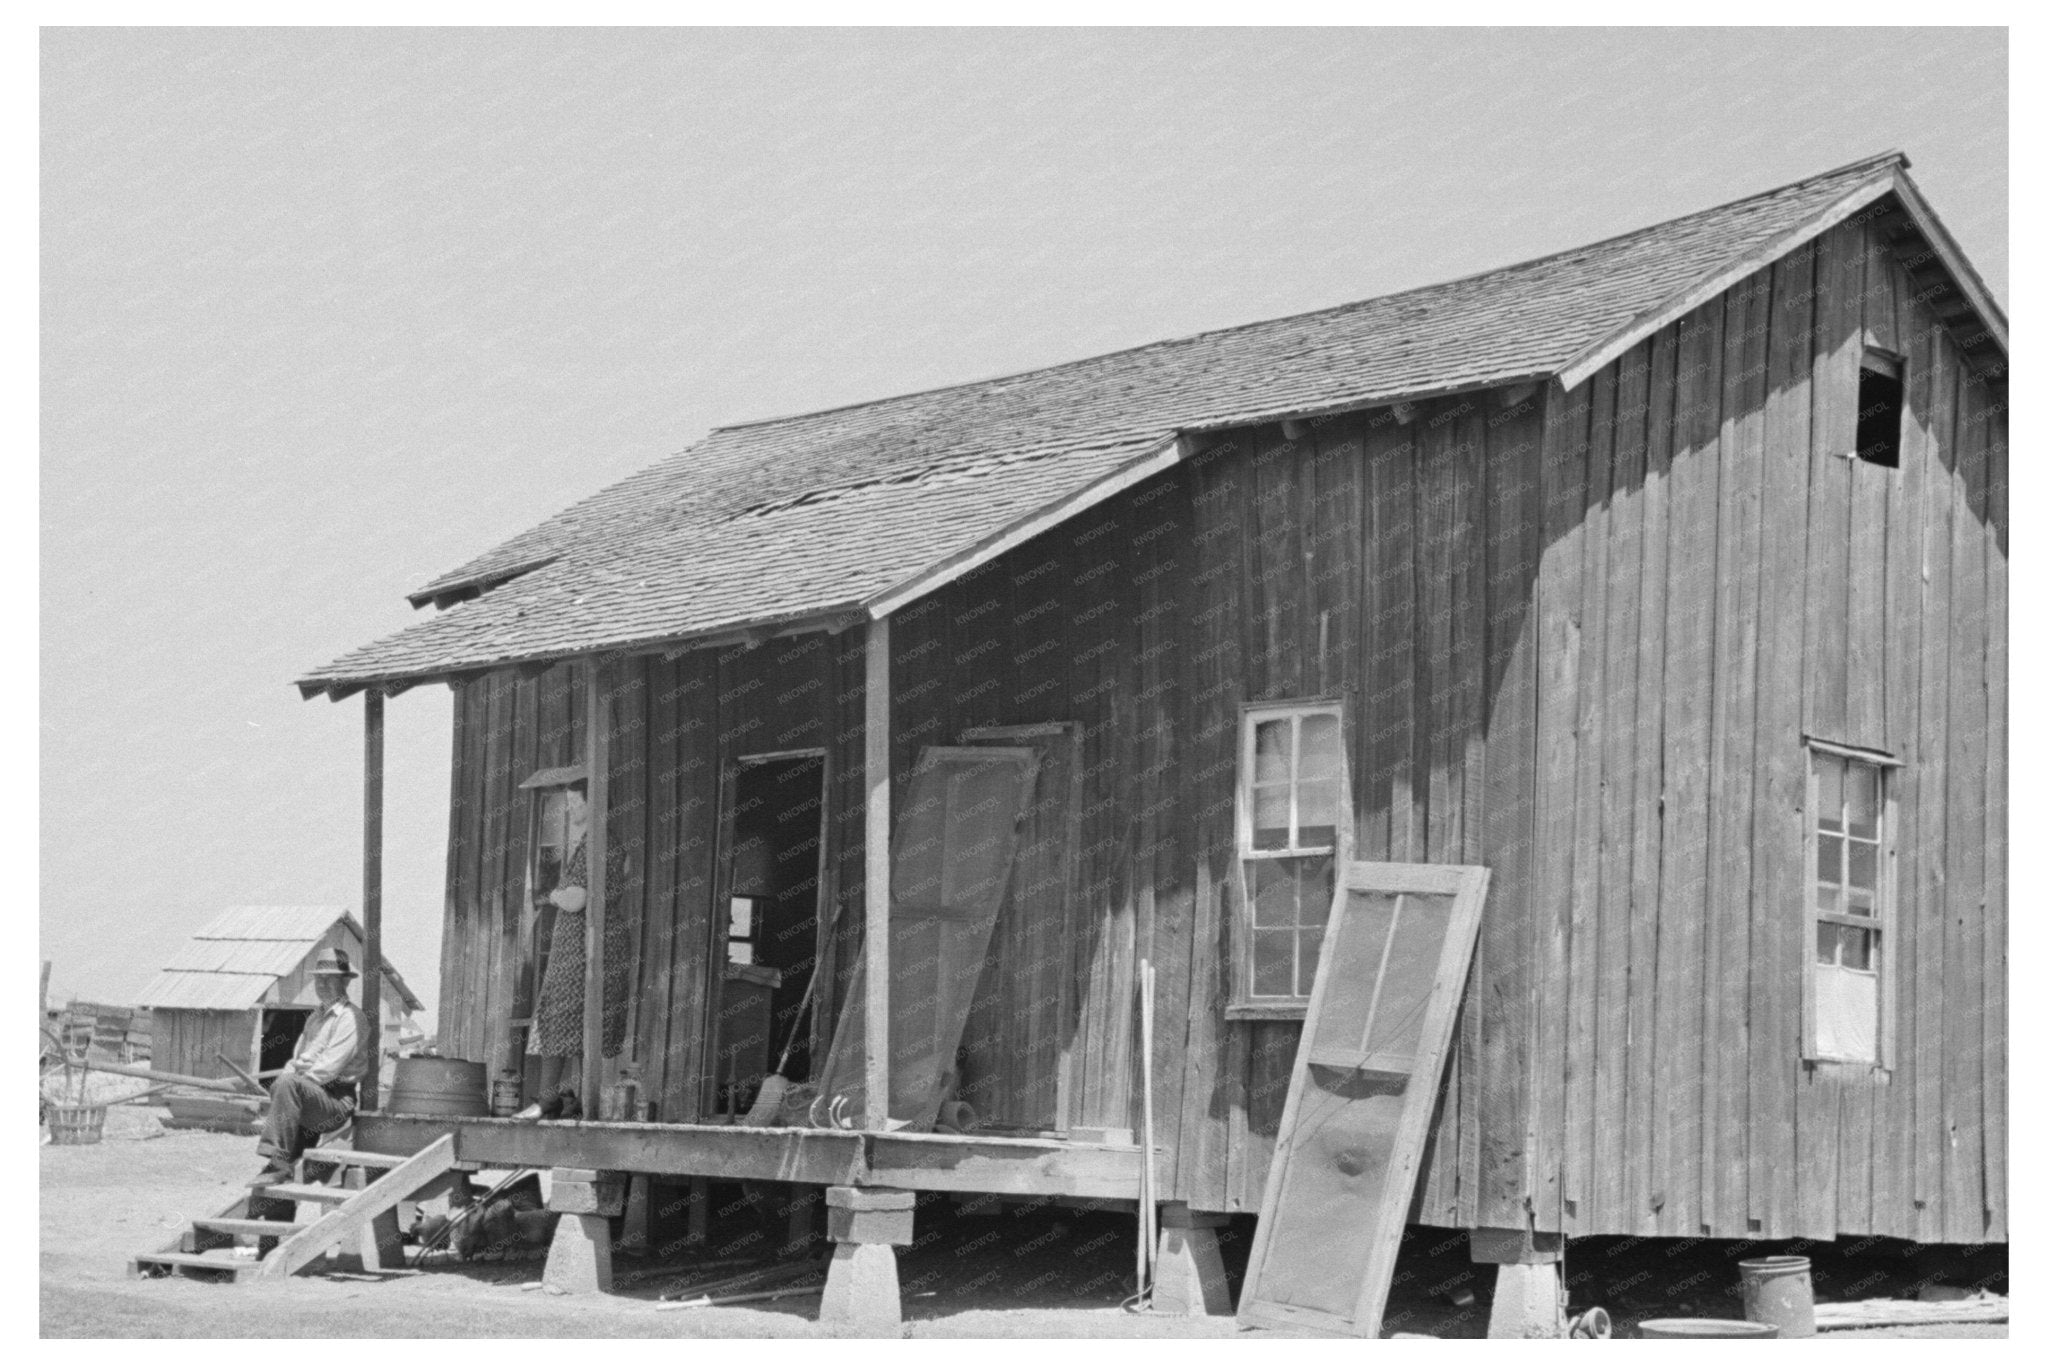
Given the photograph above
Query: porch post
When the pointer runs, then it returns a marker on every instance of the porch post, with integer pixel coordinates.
(373, 890)
(597, 764)
(875, 901)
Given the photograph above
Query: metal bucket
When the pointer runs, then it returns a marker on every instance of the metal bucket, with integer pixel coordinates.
(505, 1095)
(1779, 1290)
(440, 1087)
(76, 1125)
(1696, 1329)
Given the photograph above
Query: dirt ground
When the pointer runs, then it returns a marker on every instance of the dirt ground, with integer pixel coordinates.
(1020, 1272)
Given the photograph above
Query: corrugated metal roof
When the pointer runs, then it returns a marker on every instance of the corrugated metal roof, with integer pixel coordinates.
(239, 954)
(802, 517)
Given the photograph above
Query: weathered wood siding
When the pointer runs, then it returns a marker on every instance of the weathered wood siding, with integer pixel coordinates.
(1385, 563)
(1579, 640)
(192, 1042)
(677, 725)
(1718, 582)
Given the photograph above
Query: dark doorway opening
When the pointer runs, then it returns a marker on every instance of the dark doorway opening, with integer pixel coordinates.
(770, 932)
(280, 1037)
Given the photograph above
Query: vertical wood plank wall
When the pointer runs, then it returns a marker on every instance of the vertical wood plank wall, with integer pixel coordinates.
(1579, 640)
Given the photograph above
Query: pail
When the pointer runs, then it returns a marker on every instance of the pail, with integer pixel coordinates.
(442, 1087)
(505, 1093)
(1694, 1329)
(76, 1125)
(1779, 1290)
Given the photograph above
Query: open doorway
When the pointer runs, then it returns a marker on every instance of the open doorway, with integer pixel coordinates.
(280, 1037)
(769, 934)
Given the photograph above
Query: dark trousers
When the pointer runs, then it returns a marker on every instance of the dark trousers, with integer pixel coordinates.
(301, 1110)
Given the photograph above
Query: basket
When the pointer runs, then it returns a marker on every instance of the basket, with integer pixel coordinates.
(76, 1125)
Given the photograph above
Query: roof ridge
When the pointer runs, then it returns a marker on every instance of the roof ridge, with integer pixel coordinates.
(1889, 157)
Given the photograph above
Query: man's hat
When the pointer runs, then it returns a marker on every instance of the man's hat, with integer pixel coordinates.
(333, 962)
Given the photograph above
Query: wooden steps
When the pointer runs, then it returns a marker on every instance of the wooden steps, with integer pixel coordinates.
(246, 1227)
(195, 1264)
(360, 1212)
(305, 1193)
(347, 1156)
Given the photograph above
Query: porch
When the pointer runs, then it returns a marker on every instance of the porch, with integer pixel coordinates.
(942, 1162)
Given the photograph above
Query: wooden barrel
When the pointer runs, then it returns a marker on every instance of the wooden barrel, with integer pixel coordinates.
(76, 1125)
(443, 1087)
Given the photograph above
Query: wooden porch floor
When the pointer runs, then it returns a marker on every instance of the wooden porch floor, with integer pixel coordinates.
(805, 1156)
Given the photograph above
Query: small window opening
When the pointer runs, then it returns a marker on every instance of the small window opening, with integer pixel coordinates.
(1880, 408)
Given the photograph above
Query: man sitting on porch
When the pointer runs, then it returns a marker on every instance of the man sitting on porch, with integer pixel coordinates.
(316, 1093)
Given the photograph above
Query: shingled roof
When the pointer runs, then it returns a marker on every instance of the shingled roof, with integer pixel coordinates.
(846, 513)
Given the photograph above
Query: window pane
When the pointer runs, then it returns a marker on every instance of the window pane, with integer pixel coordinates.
(1828, 939)
(1272, 962)
(1862, 784)
(1863, 865)
(1829, 769)
(1827, 898)
(1845, 1013)
(1318, 802)
(1307, 945)
(1859, 902)
(1322, 754)
(1272, 747)
(1855, 947)
(1269, 817)
(1828, 867)
(1318, 887)
(1272, 885)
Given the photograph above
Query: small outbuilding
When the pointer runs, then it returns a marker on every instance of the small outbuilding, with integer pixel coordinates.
(241, 988)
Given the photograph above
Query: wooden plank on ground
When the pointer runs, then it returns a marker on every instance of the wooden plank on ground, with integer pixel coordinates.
(1358, 1106)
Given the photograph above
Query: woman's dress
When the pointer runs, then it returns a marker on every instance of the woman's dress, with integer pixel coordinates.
(558, 1018)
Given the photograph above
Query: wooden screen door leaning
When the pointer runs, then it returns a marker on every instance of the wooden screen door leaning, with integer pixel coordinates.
(951, 853)
(1395, 956)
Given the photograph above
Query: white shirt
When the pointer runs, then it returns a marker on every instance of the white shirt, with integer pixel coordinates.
(334, 1046)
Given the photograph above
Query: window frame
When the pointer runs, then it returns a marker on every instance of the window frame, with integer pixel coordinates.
(1882, 925)
(1891, 365)
(1243, 1004)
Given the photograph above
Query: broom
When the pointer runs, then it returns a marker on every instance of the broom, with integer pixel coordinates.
(767, 1106)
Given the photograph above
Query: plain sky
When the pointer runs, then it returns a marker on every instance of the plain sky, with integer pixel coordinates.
(327, 312)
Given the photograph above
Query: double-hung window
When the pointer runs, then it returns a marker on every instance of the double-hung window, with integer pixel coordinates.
(1849, 906)
(1293, 823)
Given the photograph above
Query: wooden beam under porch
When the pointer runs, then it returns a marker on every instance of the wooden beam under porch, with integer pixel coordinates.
(804, 1156)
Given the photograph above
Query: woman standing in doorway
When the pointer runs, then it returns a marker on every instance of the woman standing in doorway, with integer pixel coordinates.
(558, 1017)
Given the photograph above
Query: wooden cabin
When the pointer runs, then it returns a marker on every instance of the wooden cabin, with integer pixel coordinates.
(242, 988)
(1665, 577)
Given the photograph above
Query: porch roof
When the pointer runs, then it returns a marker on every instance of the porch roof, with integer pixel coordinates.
(837, 516)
